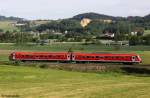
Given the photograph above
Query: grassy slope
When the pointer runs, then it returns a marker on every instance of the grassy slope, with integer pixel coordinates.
(147, 32)
(6, 25)
(43, 83)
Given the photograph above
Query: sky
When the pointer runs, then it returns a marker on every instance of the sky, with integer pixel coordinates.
(59, 9)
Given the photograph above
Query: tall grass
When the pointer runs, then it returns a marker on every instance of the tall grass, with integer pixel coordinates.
(46, 83)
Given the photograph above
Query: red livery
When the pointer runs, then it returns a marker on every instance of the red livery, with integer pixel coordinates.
(40, 56)
(106, 57)
(75, 57)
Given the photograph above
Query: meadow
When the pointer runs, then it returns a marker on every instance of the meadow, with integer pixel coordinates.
(7, 25)
(30, 82)
(34, 82)
(147, 32)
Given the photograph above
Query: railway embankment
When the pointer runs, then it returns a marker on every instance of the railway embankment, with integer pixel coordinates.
(88, 67)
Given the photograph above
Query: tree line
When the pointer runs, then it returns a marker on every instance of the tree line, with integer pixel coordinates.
(71, 28)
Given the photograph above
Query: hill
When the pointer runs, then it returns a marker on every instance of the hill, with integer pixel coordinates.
(92, 15)
(147, 17)
(4, 18)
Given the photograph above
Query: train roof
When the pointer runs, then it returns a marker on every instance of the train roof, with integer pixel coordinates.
(79, 53)
(108, 54)
(40, 52)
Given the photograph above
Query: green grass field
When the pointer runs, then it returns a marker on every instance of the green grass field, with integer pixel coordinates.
(75, 47)
(28, 82)
(147, 32)
(7, 25)
(33, 82)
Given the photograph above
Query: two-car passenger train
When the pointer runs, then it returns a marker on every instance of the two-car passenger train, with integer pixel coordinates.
(77, 57)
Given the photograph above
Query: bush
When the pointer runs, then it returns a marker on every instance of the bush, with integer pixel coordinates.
(42, 66)
(146, 39)
(17, 63)
(135, 40)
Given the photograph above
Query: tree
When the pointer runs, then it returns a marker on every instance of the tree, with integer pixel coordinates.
(1, 30)
(135, 40)
(146, 39)
(22, 38)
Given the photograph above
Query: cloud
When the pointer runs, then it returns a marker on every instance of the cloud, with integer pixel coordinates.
(54, 9)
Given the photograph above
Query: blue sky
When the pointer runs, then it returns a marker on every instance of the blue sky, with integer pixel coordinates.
(56, 9)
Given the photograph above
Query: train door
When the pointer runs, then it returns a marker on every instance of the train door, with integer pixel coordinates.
(73, 57)
(68, 56)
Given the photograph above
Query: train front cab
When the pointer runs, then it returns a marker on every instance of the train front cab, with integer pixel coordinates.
(135, 59)
(12, 56)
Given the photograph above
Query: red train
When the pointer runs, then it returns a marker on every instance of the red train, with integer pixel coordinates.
(75, 57)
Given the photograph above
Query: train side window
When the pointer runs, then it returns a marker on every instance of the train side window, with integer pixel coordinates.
(101, 57)
(28, 56)
(58, 56)
(88, 57)
(49, 56)
(97, 57)
(127, 57)
(114, 57)
(118, 57)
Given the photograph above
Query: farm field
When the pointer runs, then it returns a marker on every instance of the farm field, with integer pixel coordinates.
(147, 32)
(34, 82)
(75, 47)
(7, 25)
(29, 82)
